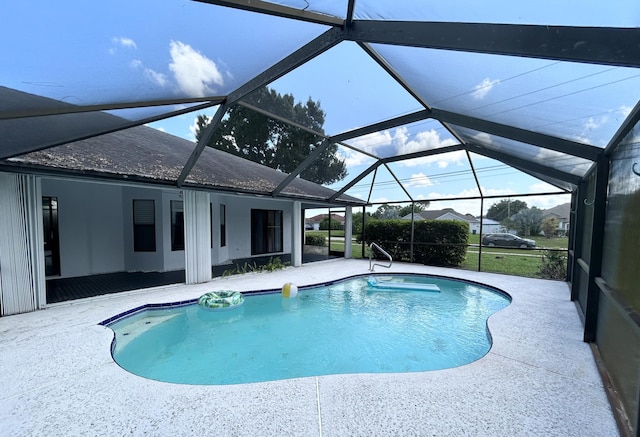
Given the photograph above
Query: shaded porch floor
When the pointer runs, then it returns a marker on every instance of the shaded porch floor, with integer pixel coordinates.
(64, 289)
(82, 287)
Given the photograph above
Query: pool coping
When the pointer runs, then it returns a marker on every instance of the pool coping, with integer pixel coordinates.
(538, 378)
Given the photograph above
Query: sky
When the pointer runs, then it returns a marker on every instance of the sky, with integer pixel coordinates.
(89, 53)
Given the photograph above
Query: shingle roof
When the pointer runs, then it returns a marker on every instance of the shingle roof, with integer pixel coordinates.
(436, 214)
(148, 155)
(562, 211)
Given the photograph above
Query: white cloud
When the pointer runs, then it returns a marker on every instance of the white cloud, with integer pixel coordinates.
(354, 159)
(625, 110)
(483, 138)
(541, 187)
(119, 41)
(125, 42)
(155, 77)
(422, 141)
(482, 89)
(419, 180)
(441, 161)
(195, 74)
(159, 79)
(371, 142)
(562, 161)
(465, 206)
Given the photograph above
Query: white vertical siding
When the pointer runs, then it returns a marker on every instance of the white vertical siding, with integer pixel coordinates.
(197, 237)
(22, 276)
(296, 235)
(348, 231)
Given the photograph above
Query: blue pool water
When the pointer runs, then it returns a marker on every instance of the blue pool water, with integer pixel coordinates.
(346, 327)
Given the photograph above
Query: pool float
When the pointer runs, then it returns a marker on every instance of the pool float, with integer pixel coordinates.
(221, 299)
(289, 290)
(393, 285)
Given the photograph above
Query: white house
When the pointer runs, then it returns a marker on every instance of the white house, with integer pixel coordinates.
(489, 226)
(110, 204)
(562, 213)
(442, 214)
(315, 221)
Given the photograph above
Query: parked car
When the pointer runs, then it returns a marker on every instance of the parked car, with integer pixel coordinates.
(507, 240)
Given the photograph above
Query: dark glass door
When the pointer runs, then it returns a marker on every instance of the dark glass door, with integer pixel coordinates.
(51, 238)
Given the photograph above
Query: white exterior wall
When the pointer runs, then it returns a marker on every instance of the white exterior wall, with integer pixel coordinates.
(220, 255)
(172, 259)
(95, 225)
(90, 226)
(487, 228)
(239, 224)
(143, 261)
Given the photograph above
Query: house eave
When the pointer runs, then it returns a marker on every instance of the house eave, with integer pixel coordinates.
(138, 180)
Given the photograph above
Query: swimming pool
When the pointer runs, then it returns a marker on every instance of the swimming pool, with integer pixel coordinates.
(349, 326)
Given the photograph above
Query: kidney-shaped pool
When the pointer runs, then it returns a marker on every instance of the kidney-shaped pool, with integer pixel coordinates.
(366, 324)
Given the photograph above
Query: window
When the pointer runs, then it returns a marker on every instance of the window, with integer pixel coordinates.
(177, 225)
(223, 225)
(266, 231)
(144, 226)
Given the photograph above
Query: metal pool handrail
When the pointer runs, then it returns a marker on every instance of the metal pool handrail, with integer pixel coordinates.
(384, 252)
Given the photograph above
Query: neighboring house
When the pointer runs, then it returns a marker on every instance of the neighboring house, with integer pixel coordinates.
(110, 204)
(314, 222)
(443, 214)
(489, 226)
(562, 213)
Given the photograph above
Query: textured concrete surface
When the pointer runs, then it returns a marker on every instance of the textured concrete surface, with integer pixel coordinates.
(58, 377)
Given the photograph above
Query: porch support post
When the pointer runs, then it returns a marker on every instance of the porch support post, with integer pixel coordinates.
(22, 272)
(348, 231)
(197, 237)
(597, 246)
(296, 235)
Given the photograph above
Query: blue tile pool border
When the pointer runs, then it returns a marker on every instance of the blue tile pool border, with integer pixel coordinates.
(158, 306)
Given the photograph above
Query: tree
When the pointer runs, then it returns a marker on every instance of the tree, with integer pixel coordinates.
(417, 207)
(356, 222)
(274, 143)
(505, 209)
(549, 226)
(527, 221)
(387, 212)
(335, 224)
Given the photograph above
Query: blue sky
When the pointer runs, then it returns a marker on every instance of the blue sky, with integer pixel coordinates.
(120, 51)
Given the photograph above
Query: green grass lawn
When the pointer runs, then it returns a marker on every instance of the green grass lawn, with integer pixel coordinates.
(518, 262)
(336, 233)
(541, 242)
(508, 264)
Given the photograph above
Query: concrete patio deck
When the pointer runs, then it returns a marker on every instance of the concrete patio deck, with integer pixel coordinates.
(539, 379)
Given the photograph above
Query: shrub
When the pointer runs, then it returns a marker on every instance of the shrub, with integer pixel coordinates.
(335, 225)
(436, 242)
(271, 266)
(315, 240)
(440, 242)
(554, 265)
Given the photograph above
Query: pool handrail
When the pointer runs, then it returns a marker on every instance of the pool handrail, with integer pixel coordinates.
(384, 252)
